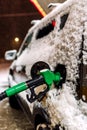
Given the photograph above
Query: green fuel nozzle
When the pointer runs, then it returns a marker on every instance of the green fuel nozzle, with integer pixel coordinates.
(46, 77)
(50, 77)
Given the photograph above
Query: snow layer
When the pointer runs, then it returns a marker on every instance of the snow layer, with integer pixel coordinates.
(65, 110)
(62, 46)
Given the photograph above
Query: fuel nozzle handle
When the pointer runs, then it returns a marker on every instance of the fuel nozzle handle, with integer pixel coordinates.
(50, 77)
(46, 77)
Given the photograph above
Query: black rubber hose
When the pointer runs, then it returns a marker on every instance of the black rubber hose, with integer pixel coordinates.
(2, 95)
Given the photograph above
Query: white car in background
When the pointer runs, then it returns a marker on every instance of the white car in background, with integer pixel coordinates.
(58, 42)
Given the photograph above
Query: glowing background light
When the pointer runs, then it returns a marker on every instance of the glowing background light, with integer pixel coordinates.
(16, 39)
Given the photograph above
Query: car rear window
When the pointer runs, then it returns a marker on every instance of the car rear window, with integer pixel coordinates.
(63, 21)
(45, 30)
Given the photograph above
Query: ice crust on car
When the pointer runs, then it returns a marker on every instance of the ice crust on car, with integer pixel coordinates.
(62, 46)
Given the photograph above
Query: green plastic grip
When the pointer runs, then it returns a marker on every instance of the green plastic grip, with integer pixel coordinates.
(16, 89)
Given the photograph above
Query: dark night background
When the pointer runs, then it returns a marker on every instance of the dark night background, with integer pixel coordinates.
(15, 18)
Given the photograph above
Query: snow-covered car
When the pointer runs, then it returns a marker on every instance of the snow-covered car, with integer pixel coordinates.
(58, 39)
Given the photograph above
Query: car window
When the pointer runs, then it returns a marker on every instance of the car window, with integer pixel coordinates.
(45, 30)
(26, 42)
(63, 21)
